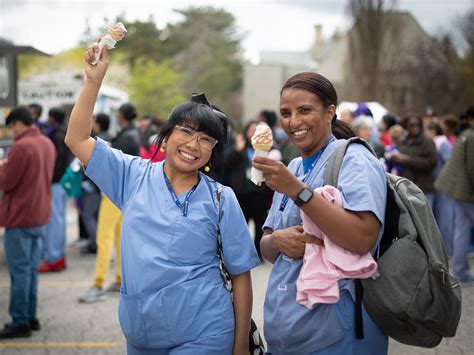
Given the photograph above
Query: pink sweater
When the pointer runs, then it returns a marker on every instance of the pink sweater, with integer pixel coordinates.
(324, 266)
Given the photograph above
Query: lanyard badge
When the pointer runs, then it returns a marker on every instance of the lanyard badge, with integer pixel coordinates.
(285, 198)
(183, 207)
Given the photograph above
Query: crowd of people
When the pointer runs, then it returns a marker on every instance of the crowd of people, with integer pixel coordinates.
(160, 191)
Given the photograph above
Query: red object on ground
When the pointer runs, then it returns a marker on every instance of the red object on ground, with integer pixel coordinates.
(58, 265)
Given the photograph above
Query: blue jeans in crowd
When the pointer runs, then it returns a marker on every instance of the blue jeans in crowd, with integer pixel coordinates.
(464, 216)
(23, 252)
(443, 210)
(54, 247)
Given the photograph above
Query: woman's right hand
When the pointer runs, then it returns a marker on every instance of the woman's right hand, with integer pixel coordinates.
(292, 241)
(96, 73)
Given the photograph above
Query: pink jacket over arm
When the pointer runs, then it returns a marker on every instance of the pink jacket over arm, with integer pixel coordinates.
(324, 265)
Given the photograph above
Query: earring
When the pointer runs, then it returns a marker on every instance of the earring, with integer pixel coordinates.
(207, 168)
(162, 150)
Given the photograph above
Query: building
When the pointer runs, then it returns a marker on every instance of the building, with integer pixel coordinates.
(413, 72)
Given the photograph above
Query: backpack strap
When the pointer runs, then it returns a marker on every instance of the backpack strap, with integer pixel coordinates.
(220, 251)
(331, 177)
(331, 174)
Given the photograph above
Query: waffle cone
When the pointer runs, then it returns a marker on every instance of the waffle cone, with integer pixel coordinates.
(264, 147)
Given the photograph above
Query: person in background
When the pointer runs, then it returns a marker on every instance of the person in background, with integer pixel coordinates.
(443, 205)
(270, 118)
(100, 127)
(307, 107)
(149, 129)
(363, 127)
(91, 196)
(397, 134)
(417, 156)
(54, 248)
(347, 116)
(25, 210)
(36, 110)
(456, 180)
(449, 124)
(110, 217)
(388, 121)
(364, 110)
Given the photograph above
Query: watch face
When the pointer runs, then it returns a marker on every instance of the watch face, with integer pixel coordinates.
(305, 195)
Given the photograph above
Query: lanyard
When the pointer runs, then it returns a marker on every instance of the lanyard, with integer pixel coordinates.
(285, 198)
(183, 207)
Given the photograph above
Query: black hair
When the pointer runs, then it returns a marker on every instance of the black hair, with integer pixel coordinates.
(202, 116)
(435, 127)
(325, 91)
(270, 117)
(389, 120)
(57, 114)
(20, 114)
(37, 107)
(470, 112)
(128, 111)
(342, 130)
(410, 116)
(246, 129)
(103, 120)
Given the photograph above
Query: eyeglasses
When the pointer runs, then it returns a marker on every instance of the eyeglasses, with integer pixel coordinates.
(187, 135)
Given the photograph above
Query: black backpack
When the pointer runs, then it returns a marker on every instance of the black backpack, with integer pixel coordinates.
(414, 300)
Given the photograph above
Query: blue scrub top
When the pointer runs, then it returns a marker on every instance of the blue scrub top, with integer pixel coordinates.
(290, 327)
(172, 291)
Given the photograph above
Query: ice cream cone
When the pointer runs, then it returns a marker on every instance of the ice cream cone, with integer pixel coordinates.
(117, 31)
(262, 142)
(114, 34)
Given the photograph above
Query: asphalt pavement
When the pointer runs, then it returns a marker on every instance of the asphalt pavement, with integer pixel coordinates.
(69, 327)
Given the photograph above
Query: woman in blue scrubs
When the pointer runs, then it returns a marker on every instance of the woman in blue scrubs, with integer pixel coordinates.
(173, 300)
(307, 107)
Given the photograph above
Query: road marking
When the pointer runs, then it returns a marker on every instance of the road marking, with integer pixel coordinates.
(57, 344)
(55, 283)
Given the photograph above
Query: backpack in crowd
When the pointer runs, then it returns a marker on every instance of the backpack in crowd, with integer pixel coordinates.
(414, 300)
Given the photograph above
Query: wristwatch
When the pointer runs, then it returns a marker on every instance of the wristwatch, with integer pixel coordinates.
(303, 196)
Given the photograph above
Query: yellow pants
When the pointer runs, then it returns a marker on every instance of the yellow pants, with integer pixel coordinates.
(109, 226)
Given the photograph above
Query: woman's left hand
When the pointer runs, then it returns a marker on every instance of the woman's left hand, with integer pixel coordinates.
(277, 176)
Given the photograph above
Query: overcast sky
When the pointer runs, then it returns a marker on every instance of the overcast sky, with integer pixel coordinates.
(56, 25)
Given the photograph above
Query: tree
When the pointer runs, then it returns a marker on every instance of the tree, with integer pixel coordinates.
(30, 65)
(155, 88)
(365, 46)
(206, 50)
(466, 63)
(142, 41)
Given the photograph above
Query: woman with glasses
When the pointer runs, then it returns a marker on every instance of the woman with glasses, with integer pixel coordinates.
(172, 297)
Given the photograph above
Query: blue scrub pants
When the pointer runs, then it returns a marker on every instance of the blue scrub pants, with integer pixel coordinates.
(220, 344)
(375, 341)
(464, 220)
(23, 253)
(55, 239)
